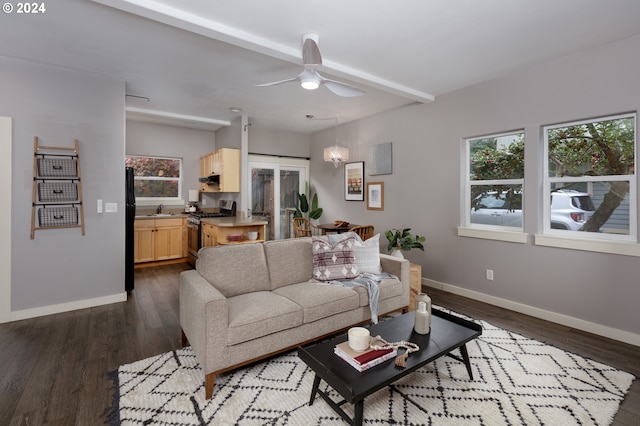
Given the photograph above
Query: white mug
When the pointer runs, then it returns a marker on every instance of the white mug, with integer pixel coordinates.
(359, 339)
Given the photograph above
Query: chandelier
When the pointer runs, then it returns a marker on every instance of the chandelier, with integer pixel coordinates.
(336, 154)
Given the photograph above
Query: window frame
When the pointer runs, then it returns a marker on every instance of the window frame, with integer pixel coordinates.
(547, 232)
(152, 200)
(477, 230)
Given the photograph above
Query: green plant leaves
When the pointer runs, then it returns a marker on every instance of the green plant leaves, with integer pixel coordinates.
(404, 239)
(302, 207)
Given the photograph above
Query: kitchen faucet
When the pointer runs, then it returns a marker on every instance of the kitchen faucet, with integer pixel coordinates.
(159, 209)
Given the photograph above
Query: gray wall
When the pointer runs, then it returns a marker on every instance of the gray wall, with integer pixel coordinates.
(278, 142)
(424, 190)
(60, 267)
(264, 140)
(171, 141)
(229, 136)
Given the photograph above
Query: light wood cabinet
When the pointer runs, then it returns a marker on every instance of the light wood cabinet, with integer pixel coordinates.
(208, 235)
(158, 239)
(225, 163)
(213, 235)
(222, 233)
(143, 247)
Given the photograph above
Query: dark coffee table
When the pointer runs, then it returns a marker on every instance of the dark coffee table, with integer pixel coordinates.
(448, 333)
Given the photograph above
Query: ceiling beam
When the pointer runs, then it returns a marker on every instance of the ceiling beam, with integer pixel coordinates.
(178, 18)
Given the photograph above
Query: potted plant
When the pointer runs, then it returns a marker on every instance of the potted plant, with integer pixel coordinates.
(302, 207)
(403, 240)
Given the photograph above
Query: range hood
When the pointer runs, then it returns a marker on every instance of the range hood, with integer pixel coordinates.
(210, 180)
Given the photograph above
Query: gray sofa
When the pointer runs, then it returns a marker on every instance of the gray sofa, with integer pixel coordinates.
(246, 302)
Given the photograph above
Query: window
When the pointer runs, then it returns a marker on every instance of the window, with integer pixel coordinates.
(495, 177)
(590, 178)
(156, 178)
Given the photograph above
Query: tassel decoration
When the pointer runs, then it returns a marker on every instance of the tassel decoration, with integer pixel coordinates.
(401, 360)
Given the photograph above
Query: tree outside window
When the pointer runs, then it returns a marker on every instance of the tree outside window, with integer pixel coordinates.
(596, 157)
(494, 180)
(155, 177)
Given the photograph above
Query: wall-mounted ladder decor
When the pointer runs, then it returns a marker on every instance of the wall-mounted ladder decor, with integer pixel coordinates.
(57, 189)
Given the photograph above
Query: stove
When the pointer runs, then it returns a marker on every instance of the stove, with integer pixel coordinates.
(194, 226)
(194, 217)
(227, 209)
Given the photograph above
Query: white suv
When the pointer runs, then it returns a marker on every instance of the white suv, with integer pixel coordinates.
(569, 209)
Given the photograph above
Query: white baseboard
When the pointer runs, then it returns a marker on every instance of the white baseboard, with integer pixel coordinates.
(579, 324)
(65, 307)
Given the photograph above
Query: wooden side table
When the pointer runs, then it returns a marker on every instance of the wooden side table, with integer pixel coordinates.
(415, 278)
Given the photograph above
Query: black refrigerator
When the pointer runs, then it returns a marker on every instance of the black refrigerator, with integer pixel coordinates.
(130, 214)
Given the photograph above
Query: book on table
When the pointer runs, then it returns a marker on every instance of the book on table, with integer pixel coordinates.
(362, 361)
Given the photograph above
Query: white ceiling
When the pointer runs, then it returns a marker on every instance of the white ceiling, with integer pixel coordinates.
(197, 58)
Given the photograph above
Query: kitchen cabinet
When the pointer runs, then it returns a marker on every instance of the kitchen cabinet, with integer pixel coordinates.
(158, 239)
(225, 163)
(222, 231)
(208, 235)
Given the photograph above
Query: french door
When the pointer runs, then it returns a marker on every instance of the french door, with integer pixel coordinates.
(275, 184)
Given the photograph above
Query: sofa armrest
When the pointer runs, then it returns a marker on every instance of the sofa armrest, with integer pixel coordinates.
(204, 316)
(400, 268)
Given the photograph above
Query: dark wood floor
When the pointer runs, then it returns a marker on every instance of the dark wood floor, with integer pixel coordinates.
(53, 370)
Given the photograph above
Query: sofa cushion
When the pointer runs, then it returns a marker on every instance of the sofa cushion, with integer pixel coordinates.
(290, 261)
(260, 313)
(368, 255)
(334, 261)
(319, 300)
(234, 269)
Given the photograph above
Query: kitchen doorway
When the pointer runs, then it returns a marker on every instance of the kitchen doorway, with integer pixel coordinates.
(275, 183)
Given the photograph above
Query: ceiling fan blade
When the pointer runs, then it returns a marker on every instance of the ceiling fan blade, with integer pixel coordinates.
(342, 89)
(310, 52)
(275, 83)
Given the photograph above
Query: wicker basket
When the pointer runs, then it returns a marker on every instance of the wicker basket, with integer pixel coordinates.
(57, 216)
(51, 192)
(57, 167)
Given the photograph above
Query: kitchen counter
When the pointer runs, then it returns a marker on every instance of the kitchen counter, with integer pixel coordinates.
(162, 216)
(230, 222)
(231, 230)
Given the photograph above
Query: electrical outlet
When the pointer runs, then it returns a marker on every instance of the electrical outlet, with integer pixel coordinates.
(204, 201)
(489, 274)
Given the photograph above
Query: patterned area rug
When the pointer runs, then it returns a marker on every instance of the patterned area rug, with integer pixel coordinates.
(517, 381)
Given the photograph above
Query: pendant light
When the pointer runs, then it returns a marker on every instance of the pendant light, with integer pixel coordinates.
(336, 154)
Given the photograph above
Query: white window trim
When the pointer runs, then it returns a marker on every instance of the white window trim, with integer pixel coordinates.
(589, 241)
(497, 233)
(489, 232)
(152, 201)
(626, 248)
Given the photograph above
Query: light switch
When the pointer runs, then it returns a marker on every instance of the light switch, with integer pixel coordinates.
(99, 206)
(111, 207)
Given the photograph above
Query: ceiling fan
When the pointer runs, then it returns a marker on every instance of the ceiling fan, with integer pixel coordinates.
(309, 78)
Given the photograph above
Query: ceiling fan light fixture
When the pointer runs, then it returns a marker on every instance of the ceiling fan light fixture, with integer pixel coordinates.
(310, 83)
(336, 155)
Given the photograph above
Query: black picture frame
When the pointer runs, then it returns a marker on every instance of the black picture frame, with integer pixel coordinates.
(354, 187)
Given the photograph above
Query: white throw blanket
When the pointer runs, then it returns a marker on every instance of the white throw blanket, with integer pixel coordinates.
(370, 282)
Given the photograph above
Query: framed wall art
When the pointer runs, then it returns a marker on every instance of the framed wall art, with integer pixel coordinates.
(380, 159)
(354, 181)
(375, 195)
